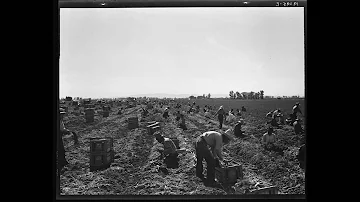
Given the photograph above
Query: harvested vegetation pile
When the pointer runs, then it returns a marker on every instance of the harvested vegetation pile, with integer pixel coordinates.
(138, 167)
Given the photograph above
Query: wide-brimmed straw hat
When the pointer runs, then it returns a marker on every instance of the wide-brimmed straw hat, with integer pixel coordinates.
(228, 134)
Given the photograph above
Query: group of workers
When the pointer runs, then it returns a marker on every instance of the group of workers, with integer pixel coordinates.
(208, 146)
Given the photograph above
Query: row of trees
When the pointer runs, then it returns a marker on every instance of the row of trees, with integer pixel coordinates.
(246, 95)
(200, 97)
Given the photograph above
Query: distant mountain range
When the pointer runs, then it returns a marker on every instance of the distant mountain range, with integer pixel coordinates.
(166, 95)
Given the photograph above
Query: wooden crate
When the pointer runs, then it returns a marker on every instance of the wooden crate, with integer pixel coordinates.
(229, 174)
(106, 113)
(89, 119)
(101, 144)
(101, 160)
(133, 122)
(265, 190)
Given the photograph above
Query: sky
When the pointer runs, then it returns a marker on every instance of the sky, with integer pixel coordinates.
(119, 52)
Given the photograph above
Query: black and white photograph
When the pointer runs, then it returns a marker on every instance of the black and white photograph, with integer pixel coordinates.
(189, 102)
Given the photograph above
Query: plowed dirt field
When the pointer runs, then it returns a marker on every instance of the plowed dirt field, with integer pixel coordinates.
(138, 168)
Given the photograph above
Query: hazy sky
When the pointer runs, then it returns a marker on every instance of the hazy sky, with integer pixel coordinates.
(117, 52)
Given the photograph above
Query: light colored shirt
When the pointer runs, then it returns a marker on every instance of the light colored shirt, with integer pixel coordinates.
(214, 140)
(230, 118)
(268, 138)
(296, 109)
(169, 146)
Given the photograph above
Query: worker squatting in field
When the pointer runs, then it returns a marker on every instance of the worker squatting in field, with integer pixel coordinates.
(170, 151)
(269, 140)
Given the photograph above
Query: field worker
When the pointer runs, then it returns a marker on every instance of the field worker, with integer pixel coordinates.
(65, 131)
(296, 109)
(145, 111)
(273, 122)
(268, 139)
(61, 149)
(297, 127)
(278, 114)
(208, 146)
(243, 109)
(270, 114)
(221, 113)
(291, 119)
(238, 113)
(197, 109)
(177, 116)
(190, 109)
(230, 118)
(182, 122)
(166, 113)
(301, 156)
(169, 145)
(237, 129)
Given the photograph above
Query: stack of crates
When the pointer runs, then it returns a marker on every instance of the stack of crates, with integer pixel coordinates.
(101, 152)
(133, 122)
(89, 115)
(66, 108)
(152, 127)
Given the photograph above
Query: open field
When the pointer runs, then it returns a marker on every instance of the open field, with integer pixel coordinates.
(137, 165)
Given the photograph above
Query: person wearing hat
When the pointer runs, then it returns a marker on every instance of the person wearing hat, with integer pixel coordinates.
(237, 129)
(208, 146)
(231, 117)
(177, 115)
(297, 127)
(166, 113)
(268, 139)
(238, 113)
(292, 118)
(243, 109)
(220, 113)
(170, 149)
(182, 122)
(65, 131)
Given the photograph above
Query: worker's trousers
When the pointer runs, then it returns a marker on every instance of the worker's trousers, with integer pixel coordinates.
(221, 119)
(203, 152)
